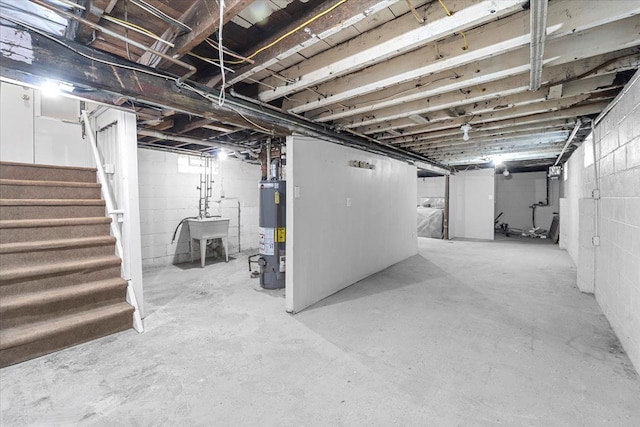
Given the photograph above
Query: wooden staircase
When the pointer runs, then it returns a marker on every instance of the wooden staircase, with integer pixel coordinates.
(60, 282)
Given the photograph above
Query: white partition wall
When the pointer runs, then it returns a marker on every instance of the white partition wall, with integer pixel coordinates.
(344, 222)
(472, 204)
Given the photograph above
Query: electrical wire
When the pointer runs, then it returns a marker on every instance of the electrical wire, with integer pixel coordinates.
(209, 61)
(126, 31)
(415, 12)
(449, 13)
(229, 52)
(222, 95)
(138, 29)
(72, 4)
(268, 131)
(304, 24)
(160, 14)
(93, 58)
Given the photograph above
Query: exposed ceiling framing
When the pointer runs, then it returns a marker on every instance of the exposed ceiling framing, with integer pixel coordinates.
(397, 77)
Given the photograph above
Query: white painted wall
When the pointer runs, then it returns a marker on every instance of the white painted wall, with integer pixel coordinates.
(41, 129)
(347, 222)
(16, 123)
(471, 205)
(516, 192)
(616, 261)
(430, 187)
(574, 178)
(167, 196)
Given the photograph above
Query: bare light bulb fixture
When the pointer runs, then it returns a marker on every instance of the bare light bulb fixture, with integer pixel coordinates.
(465, 128)
(506, 172)
(52, 88)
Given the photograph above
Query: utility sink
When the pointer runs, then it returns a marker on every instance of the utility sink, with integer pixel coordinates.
(204, 229)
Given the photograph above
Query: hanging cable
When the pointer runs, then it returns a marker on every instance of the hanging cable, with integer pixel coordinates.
(160, 14)
(93, 58)
(138, 29)
(448, 12)
(210, 61)
(304, 24)
(72, 4)
(229, 52)
(221, 97)
(126, 31)
(415, 12)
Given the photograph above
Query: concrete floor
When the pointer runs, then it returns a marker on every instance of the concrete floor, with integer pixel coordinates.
(466, 333)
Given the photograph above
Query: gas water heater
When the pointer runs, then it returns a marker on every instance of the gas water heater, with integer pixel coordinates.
(272, 233)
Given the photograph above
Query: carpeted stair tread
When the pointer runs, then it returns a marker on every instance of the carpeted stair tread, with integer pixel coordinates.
(60, 281)
(13, 170)
(57, 294)
(46, 245)
(21, 335)
(42, 183)
(8, 275)
(51, 202)
(25, 230)
(30, 307)
(39, 189)
(52, 222)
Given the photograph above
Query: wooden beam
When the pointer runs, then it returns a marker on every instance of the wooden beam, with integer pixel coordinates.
(498, 122)
(203, 17)
(393, 38)
(52, 60)
(491, 111)
(460, 144)
(510, 91)
(561, 66)
(472, 156)
(32, 58)
(93, 12)
(436, 138)
(343, 16)
(493, 39)
(401, 117)
(457, 142)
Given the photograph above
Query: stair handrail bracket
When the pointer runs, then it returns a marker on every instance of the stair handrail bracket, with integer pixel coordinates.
(116, 217)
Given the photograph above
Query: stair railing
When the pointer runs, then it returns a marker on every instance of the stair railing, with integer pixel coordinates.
(114, 214)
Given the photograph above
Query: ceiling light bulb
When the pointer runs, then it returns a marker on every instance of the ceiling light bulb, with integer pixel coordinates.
(465, 131)
(50, 88)
(505, 172)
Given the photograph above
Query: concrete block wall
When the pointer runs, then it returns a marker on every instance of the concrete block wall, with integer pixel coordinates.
(167, 196)
(616, 260)
(516, 192)
(617, 272)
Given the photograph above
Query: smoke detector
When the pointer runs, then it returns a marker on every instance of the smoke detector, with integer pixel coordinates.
(465, 128)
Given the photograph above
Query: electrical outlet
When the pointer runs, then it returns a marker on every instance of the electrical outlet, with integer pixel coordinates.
(348, 202)
(595, 194)
(296, 192)
(595, 240)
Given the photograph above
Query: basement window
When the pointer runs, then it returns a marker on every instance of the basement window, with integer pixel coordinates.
(588, 150)
(59, 108)
(195, 165)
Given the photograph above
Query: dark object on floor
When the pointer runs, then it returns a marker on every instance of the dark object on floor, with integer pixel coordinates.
(554, 230)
